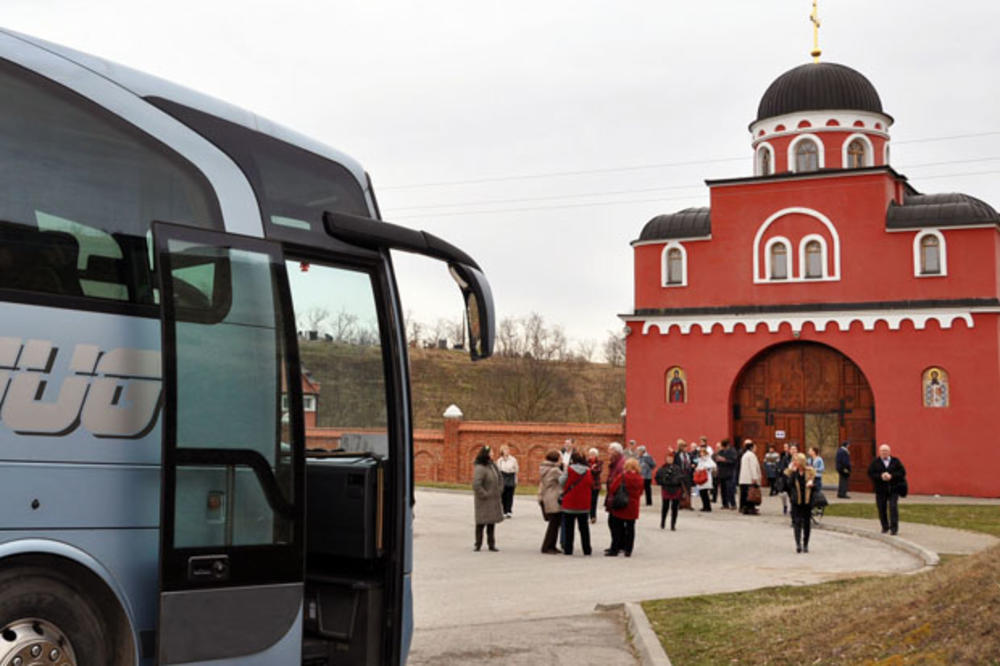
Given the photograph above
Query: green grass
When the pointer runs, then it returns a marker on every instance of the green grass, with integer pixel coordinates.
(974, 517)
(949, 615)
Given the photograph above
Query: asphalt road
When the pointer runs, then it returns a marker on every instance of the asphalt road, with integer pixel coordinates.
(518, 606)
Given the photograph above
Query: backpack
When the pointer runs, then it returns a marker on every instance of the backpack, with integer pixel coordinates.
(669, 476)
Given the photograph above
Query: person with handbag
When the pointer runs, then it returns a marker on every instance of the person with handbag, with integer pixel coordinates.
(800, 485)
(616, 467)
(749, 477)
(577, 482)
(669, 478)
(548, 499)
(507, 464)
(703, 473)
(683, 460)
(889, 478)
(628, 486)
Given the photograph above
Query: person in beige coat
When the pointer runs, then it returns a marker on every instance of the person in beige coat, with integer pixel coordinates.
(486, 487)
(548, 498)
(749, 475)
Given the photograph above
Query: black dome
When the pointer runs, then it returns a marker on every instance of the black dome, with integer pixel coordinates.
(817, 86)
(687, 223)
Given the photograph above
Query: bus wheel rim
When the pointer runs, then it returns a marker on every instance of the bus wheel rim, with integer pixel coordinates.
(35, 642)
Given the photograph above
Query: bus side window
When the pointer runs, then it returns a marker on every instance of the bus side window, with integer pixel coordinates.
(81, 188)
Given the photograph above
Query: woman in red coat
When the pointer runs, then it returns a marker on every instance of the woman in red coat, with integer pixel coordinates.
(623, 520)
(577, 482)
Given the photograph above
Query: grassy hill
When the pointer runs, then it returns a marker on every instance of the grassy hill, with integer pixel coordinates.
(498, 389)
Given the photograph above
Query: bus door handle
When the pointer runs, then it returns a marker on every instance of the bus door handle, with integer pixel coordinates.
(208, 568)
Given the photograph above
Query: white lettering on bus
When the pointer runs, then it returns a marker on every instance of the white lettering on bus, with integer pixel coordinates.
(112, 394)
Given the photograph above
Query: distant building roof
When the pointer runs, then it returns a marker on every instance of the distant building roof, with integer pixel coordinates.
(940, 210)
(687, 223)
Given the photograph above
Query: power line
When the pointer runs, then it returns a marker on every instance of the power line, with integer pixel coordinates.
(641, 167)
(583, 195)
(527, 209)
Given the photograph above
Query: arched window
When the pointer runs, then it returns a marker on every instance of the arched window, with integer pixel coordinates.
(675, 266)
(856, 154)
(930, 255)
(814, 259)
(764, 161)
(806, 156)
(779, 262)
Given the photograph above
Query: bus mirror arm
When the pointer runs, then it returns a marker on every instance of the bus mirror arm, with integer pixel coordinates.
(375, 234)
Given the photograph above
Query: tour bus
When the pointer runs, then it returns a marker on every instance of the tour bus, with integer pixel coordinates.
(162, 503)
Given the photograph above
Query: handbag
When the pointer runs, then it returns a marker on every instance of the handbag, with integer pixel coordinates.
(902, 488)
(753, 494)
(620, 499)
(700, 476)
(818, 499)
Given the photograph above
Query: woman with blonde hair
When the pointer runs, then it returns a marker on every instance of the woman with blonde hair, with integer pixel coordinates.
(800, 478)
(623, 519)
(507, 464)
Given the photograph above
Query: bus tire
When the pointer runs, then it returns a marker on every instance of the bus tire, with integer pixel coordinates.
(64, 609)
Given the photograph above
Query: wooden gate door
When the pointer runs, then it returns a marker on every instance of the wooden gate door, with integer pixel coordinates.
(816, 396)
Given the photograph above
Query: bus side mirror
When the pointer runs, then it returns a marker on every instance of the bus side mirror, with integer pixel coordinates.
(479, 316)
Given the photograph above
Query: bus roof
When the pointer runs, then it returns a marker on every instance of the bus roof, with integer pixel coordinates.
(146, 85)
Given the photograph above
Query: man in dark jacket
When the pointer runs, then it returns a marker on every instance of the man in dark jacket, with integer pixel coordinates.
(726, 459)
(843, 469)
(889, 476)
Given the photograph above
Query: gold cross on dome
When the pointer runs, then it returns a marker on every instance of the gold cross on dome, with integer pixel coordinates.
(814, 17)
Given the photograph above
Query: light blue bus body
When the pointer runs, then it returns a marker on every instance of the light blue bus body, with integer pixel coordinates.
(98, 377)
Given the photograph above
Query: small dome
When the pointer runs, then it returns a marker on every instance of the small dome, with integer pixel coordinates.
(687, 223)
(819, 86)
(940, 210)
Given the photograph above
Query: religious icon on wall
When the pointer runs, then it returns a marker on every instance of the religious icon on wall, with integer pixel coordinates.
(676, 384)
(936, 388)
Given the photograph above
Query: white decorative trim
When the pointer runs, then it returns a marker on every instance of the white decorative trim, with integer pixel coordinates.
(763, 146)
(822, 253)
(661, 241)
(820, 151)
(942, 254)
(869, 159)
(771, 242)
(833, 277)
(818, 120)
(773, 322)
(957, 227)
(664, 273)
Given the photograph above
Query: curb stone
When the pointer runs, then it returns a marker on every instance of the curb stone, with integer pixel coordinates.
(929, 557)
(644, 639)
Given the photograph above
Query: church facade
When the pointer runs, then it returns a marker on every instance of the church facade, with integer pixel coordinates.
(823, 299)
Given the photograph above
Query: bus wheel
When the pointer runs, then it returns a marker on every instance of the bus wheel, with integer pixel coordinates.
(44, 619)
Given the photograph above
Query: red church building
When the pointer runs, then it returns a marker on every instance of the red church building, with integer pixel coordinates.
(823, 299)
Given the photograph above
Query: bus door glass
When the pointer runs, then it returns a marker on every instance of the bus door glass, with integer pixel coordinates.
(231, 530)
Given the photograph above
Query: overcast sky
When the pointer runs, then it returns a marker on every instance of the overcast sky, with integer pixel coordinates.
(476, 118)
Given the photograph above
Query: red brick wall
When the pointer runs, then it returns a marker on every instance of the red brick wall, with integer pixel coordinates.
(447, 454)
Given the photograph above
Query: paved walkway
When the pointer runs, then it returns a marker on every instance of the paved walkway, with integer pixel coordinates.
(488, 608)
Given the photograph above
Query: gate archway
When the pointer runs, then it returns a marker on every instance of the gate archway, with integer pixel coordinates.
(808, 393)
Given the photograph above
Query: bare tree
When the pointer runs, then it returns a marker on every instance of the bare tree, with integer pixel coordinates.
(456, 331)
(414, 329)
(343, 326)
(313, 318)
(614, 349)
(585, 350)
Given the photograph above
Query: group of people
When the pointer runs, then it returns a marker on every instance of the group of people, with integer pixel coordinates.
(570, 483)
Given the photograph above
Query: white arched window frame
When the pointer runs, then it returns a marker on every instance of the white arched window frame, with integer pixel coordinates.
(885, 153)
(942, 254)
(761, 278)
(768, 251)
(820, 152)
(764, 148)
(823, 257)
(869, 150)
(665, 267)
